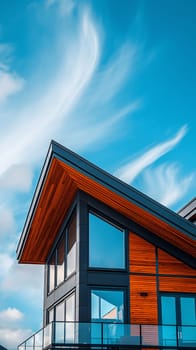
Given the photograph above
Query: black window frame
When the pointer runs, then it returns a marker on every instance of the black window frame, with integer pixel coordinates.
(118, 225)
(64, 232)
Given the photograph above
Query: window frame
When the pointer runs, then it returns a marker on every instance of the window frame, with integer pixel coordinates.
(62, 300)
(63, 232)
(117, 225)
(109, 289)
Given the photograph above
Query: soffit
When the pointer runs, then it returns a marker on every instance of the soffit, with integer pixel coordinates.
(58, 191)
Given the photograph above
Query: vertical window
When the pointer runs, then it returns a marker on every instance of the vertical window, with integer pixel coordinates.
(50, 315)
(51, 272)
(107, 305)
(70, 317)
(71, 245)
(106, 244)
(63, 260)
(60, 260)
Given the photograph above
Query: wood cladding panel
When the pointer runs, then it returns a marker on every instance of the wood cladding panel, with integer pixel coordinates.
(143, 309)
(142, 256)
(177, 284)
(172, 266)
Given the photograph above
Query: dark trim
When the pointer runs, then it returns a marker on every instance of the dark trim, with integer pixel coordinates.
(114, 288)
(122, 188)
(160, 275)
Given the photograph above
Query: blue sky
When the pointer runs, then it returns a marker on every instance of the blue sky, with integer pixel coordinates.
(114, 81)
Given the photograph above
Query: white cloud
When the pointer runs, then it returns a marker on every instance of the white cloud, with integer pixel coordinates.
(130, 171)
(10, 83)
(6, 262)
(110, 80)
(12, 337)
(165, 185)
(7, 221)
(10, 315)
(18, 177)
(30, 276)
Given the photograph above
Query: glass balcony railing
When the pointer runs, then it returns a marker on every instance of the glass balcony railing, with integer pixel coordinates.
(106, 335)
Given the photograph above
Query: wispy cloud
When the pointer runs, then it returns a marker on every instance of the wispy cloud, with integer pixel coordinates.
(10, 83)
(131, 170)
(165, 185)
(73, 103)
(7, 221)
(17, 178)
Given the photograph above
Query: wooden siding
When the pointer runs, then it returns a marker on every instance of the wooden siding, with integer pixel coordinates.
(177, 284)
(170, 278)
(171, 266)
(142, 256)
(143, 308)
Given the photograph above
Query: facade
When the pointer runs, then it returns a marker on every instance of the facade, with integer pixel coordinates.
(119, 267)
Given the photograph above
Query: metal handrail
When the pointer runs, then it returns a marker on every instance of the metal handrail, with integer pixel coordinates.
(105, 334)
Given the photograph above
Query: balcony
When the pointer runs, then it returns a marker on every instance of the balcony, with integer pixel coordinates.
(75, 335)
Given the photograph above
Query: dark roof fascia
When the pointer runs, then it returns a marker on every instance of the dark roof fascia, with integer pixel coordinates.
(60, 152)
(34, 203)
(124, 190)
(189, 210)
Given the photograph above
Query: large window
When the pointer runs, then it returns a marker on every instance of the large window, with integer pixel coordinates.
(71, 246)
(63, 314)
(178, 310)
(107, 306)
(106, 244)
(63, 260)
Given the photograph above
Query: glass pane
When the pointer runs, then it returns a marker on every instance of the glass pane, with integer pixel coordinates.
(50, 315)
(60, 326)
(60, 312)
(48, 335)
(70, 316)
(187, 333)
(106, 244)
(168, 309)
(107, 305)
(121, 334)
(188, 311)
(60, 260)
(71, 245)
(51, 273)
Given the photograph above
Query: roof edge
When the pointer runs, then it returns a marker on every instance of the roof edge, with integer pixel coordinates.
(60, 152)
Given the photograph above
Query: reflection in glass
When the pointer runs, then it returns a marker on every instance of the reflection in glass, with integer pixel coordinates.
(51, 315)
(188, 320)
(51, 272)
(106, 244)
(107, 305)
(168, 310)
(59, 326)
(71, 245)
(60, 260)
(70, 316)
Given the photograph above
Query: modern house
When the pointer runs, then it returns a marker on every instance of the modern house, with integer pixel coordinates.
(119, 267)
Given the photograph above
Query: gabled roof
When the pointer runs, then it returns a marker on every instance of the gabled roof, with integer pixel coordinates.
(63, 174)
